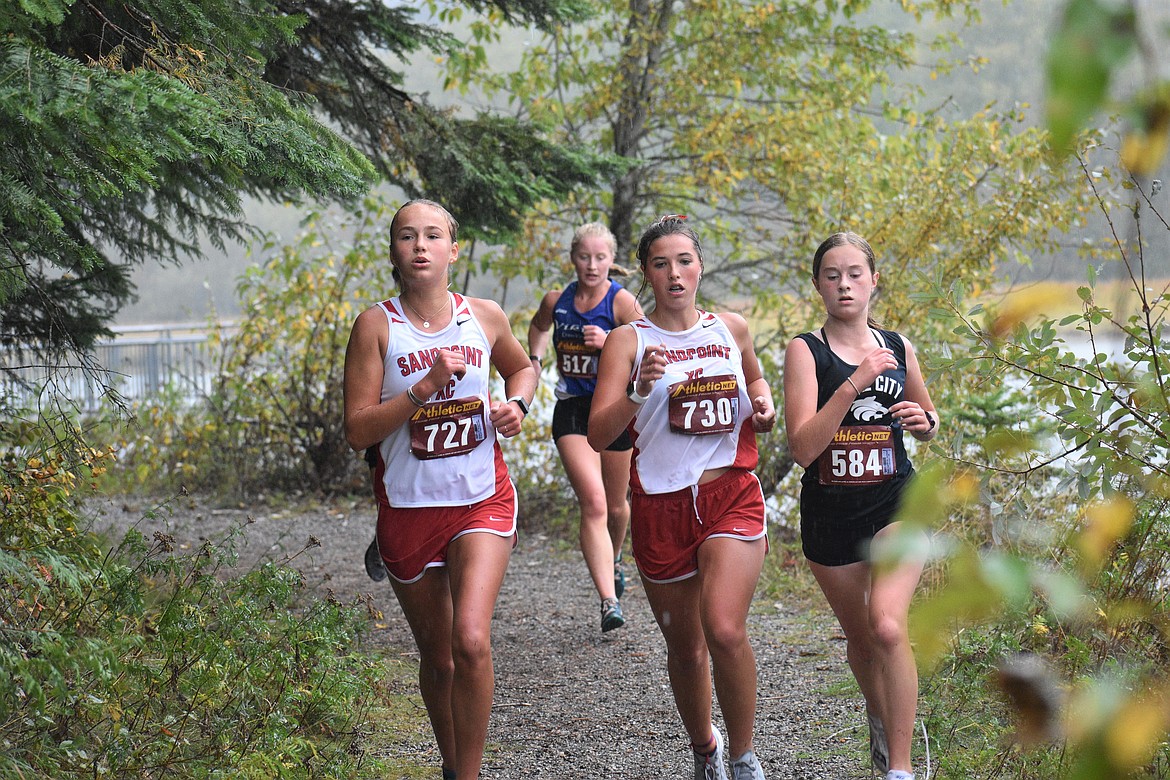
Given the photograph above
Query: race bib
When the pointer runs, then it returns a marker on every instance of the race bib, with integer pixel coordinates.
(575, 360)
(859, 455)
(704, 405)
(442, 429)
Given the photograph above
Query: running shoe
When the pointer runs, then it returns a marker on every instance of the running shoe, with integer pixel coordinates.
(710, 767)
(746, 767)
(611, 615)
(879, 749)
(898, 774)
(374, 566)
(619, 578)
(448, 774)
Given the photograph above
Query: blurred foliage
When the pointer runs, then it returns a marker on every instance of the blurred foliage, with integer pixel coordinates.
(1095, 43)
(1063, 550)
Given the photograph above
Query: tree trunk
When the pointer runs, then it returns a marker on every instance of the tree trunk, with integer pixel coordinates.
(641, 53)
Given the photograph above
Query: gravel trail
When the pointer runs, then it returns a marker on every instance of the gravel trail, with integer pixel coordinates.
(571, 703)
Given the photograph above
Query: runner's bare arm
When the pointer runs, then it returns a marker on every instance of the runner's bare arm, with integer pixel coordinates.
(611, 409)
(916, 412)
(367, 419)
(540, 329)
(757, 387)
(809, 431)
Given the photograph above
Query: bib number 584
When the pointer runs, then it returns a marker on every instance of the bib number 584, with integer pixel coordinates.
(856, 463)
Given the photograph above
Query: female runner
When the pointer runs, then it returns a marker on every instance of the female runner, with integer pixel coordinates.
(580, 318)
(416, 385)
(689, 387)
(850, 390)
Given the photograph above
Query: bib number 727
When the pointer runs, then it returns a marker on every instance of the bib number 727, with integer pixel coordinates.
(443, 429)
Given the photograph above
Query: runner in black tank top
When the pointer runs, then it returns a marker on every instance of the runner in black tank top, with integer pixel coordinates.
(850, 392)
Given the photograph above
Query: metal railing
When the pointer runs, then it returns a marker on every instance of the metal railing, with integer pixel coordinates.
(138, 362)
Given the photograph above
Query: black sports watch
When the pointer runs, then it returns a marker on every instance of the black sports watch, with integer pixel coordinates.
(520, 402)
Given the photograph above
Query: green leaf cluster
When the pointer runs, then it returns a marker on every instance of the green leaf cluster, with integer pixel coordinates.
(134, 131)
(137, 128)
(142, 661)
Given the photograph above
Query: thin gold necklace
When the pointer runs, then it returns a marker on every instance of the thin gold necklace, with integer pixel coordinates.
(698, 316)
(426, 320)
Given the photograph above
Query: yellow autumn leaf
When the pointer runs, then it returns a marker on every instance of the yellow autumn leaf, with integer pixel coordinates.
(1106, 522)
(1135, 732)
(1142, 152)
(963, 487)
(1045, 298)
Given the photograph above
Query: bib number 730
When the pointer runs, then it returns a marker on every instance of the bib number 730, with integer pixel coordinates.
(712, 412)
(704, 405)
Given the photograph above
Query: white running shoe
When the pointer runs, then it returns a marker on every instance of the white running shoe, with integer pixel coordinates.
(746, 767)
(711, 767)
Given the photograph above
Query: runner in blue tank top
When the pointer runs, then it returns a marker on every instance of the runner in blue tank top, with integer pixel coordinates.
(579, 319)
(850, 391)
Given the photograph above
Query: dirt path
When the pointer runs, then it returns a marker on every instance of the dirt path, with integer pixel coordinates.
(571, 703)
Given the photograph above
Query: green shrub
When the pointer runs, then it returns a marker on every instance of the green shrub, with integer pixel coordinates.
(273, 420)
(1052, 520)
(137, 662)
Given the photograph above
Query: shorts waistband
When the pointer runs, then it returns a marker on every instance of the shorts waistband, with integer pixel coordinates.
(715, 486)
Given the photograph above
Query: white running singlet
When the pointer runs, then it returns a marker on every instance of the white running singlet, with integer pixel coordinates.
(694, 417)
(444, 454)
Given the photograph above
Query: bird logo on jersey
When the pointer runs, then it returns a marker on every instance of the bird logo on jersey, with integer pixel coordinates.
(867, 410)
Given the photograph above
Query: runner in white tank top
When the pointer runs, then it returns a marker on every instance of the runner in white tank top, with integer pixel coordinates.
(690, 384)
(693, 419)
(423, 399)
(444, 454)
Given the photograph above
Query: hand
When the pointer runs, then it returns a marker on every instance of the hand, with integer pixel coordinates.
(506, 418)
(594, 336)
(448, 363)
(765, 414)
(651, 369)
(911, 416)
(874, 365)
